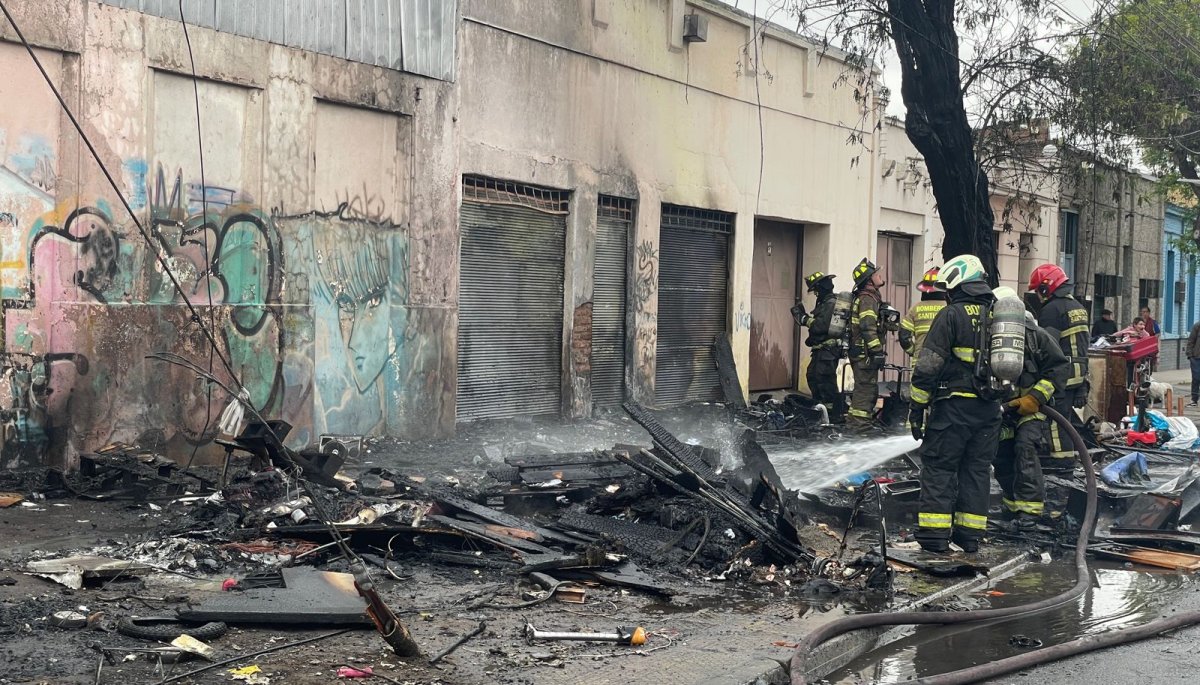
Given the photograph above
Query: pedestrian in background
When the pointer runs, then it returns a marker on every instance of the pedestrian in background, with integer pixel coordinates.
(1151, 325)
(1104, 325)
(1193, 355)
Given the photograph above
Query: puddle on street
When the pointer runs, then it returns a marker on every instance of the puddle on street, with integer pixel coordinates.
(1118, 597)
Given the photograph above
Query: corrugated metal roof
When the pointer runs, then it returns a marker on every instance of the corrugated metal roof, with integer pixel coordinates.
(417, 36)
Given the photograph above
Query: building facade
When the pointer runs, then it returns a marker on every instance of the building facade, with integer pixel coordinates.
(399, 216)
(1181, 299)
(1112, 238)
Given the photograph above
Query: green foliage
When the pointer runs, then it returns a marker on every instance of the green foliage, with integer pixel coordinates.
(1137, 78)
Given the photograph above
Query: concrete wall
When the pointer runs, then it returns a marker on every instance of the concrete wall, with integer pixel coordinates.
(604, 97)
(318, 233)
(1120, 232)
(320, 241)
(905, 197)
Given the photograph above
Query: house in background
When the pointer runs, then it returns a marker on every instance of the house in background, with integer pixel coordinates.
(1181, 299)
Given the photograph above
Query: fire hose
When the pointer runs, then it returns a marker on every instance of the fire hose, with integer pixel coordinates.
(798, 665)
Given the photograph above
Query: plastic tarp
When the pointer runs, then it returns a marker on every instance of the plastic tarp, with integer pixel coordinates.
(1184, 433)
(1130, 469)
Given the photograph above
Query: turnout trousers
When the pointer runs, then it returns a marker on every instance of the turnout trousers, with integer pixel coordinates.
(1018, 469)
(866, 391)
(822, 382)
(1062, 450)
(960, 443)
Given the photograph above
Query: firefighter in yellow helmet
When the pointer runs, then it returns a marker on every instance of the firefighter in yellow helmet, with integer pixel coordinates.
(866, 344)
(826, 345)
(915, 324)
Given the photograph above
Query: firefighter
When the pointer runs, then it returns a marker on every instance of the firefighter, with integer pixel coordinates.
(962, 431)
(1025, 428)
(826, 348)
(915, 324)
(866, 343)
(1062, 315)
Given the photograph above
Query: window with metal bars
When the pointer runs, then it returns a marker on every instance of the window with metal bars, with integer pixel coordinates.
(616, 208)
(1150, 289)
(678, 216)
(498, 192)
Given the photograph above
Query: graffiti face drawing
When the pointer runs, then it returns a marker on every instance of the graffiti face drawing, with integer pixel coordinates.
(358, 275)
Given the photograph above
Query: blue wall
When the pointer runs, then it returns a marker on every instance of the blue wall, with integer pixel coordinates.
(1177, 319)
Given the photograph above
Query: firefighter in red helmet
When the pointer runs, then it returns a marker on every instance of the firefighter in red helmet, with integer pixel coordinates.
(1063, 316)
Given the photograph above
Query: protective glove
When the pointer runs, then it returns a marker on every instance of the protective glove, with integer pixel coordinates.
(877, 361)
(1025, 405)
(916, 421)
(800, 314)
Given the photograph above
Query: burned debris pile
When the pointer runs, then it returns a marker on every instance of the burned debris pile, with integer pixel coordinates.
(270, 546)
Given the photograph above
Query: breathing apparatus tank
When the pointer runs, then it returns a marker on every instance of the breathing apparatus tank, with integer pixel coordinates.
(1006, 353)
(841, 314)
(889, 317)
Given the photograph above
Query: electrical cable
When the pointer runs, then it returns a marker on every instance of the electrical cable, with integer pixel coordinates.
(799, 661)
(212, 323)
(388, 627)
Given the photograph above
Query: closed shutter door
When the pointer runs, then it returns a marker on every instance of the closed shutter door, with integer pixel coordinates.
(510, 316)
(608, 301)
(693, 293)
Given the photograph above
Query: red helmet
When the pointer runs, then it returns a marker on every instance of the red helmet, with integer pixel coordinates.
(928, 282)
(1047, 278)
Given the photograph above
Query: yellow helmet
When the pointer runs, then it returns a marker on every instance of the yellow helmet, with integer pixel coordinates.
(814, 279)
(865, 269)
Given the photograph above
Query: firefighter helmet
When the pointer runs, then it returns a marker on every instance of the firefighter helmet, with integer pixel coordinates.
(928, 282)
(865, 269)
(961, 270)
(1046, 279)
(814, 280)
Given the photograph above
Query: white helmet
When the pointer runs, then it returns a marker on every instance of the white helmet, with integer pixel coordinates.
(961, 270)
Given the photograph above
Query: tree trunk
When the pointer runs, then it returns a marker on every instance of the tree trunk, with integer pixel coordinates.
(936, 123)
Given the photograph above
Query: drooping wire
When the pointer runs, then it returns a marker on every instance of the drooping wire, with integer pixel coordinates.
(335, 533)
(208, 268)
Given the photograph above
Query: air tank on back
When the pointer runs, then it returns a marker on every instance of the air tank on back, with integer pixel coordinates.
(841, 314)
(1006, 355)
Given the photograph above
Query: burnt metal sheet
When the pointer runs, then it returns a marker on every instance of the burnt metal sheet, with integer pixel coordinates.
(693, 308)
(510, 323)
(611, 263)
(309, 597)
(727, 370)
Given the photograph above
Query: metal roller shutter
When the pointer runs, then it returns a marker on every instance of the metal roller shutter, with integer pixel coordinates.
(693, 294)
(608, 301)
(510, 316)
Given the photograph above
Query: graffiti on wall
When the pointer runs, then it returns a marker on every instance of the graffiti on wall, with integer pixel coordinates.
(645, 321)
(310, 311)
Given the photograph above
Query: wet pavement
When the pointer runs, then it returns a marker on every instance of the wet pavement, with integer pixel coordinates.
(1119, 597)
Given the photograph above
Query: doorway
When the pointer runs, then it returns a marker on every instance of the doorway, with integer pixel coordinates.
(774, 285)
(895, 261)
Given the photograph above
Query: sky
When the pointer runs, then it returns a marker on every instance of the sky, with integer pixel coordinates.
(1069, 10)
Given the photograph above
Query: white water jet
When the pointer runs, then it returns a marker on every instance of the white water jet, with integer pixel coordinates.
(824, 463)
